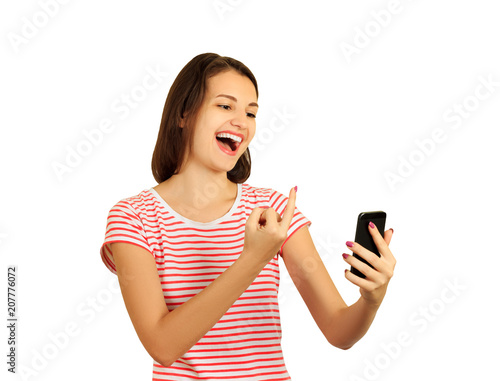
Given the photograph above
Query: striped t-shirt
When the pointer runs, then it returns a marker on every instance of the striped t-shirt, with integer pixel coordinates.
(245, 344)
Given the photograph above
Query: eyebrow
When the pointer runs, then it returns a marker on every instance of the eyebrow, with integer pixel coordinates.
(235, 100)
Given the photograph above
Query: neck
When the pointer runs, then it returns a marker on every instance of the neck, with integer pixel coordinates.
(200, 187)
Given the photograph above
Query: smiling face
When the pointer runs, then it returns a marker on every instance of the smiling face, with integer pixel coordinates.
(225, 123)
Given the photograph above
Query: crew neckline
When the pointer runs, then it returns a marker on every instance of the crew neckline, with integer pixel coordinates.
(198, 223)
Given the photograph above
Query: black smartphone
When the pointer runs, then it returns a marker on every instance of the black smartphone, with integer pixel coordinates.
(363, 236)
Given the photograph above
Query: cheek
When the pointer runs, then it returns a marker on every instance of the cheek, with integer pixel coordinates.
(202, 137)
(251, 133)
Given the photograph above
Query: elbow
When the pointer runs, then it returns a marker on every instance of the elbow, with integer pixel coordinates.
(161, 356)
(345, 348)
(166, 364)
(160, 352)
(163, 360)
(340, 345)
(341, 340)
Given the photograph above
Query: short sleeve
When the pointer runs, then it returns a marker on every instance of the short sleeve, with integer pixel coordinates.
(123, 225)
(278, 202)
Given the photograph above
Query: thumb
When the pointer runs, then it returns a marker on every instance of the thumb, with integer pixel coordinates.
(254, 217)
(388, 236)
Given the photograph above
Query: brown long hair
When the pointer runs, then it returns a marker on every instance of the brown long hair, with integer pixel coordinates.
(183, 102)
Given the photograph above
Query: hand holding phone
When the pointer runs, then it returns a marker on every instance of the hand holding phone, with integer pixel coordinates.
(373, 286)
(363, 236)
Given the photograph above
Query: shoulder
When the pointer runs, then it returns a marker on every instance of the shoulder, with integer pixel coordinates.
(255, 191)
(259, 193)
(268, 196)
(137, 204)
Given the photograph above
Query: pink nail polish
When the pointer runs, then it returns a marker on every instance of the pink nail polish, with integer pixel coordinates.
(345, 256)
(349, 243)
(372, 225)
(295, 188)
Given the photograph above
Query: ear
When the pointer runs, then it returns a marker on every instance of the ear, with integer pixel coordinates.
(182, 123)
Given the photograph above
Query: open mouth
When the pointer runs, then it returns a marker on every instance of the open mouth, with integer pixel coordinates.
(228, 142)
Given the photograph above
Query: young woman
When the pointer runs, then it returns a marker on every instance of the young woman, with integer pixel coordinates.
(197, 255)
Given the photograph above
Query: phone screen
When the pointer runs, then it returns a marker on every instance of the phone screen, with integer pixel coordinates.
(363, 236)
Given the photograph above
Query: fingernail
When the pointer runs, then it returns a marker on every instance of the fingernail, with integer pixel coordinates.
(392, 230)
(349, 243)
(295, 188)
(345, 256)
(371, 224)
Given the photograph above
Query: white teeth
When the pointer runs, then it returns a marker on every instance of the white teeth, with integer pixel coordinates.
(230, 136)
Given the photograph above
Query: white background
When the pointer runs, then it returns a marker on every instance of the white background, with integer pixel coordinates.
(351, 117)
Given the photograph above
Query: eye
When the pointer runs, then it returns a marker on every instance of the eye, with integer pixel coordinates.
(249, 114)
(225, 107)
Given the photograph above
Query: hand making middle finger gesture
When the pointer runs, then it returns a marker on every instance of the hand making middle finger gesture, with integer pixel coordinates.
(265, 230)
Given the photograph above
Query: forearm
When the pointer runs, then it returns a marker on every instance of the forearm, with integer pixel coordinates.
(351, 323)
(183, 327)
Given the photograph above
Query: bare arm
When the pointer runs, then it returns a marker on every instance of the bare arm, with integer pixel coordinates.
(341, 325)
(168, 335)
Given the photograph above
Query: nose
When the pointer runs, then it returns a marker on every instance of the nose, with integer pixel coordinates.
(240, 120)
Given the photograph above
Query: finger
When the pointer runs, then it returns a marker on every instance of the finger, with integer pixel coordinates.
(366, 254)
(269, 218)
(381, 244)
(262, 216)
(366, 270)
(254, 219)
(356, 280)
(278, 217)
(388, 236)
(290, 208)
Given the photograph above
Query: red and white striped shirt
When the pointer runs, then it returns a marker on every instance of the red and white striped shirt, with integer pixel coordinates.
(245, 344)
